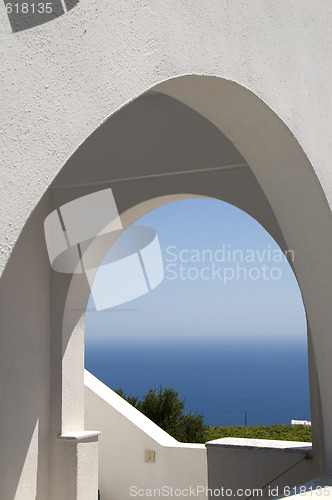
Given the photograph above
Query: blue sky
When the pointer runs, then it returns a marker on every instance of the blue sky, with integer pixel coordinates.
(193, 305)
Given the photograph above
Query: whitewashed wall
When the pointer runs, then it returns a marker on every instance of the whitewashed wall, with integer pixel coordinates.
(125, 435)
(264, 79)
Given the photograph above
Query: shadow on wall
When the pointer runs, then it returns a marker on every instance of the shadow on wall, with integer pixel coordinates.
(25, 364)
(26, 15)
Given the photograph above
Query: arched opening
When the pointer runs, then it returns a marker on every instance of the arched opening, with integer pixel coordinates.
(226, 327)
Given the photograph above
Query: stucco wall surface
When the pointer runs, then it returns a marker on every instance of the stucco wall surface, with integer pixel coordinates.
(58, 83)
(60, 80)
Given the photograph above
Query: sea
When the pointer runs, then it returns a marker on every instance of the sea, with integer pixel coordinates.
(223, 381)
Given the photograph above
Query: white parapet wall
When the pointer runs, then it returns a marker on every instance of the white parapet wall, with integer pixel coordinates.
(136, 457)
(245, 468)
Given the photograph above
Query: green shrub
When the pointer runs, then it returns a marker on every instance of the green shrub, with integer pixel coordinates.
(164, 407)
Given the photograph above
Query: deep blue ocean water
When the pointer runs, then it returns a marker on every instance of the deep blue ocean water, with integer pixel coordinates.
(219, 381)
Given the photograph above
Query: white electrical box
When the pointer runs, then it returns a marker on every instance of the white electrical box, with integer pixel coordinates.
(149, 456)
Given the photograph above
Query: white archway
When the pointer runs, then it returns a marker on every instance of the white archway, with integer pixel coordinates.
(266, 173)
(299, 215)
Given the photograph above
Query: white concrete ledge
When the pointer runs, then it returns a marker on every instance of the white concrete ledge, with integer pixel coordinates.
(295, 446)
(80, 436)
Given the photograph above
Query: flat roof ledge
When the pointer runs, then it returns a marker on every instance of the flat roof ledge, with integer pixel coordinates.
(267, 444)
